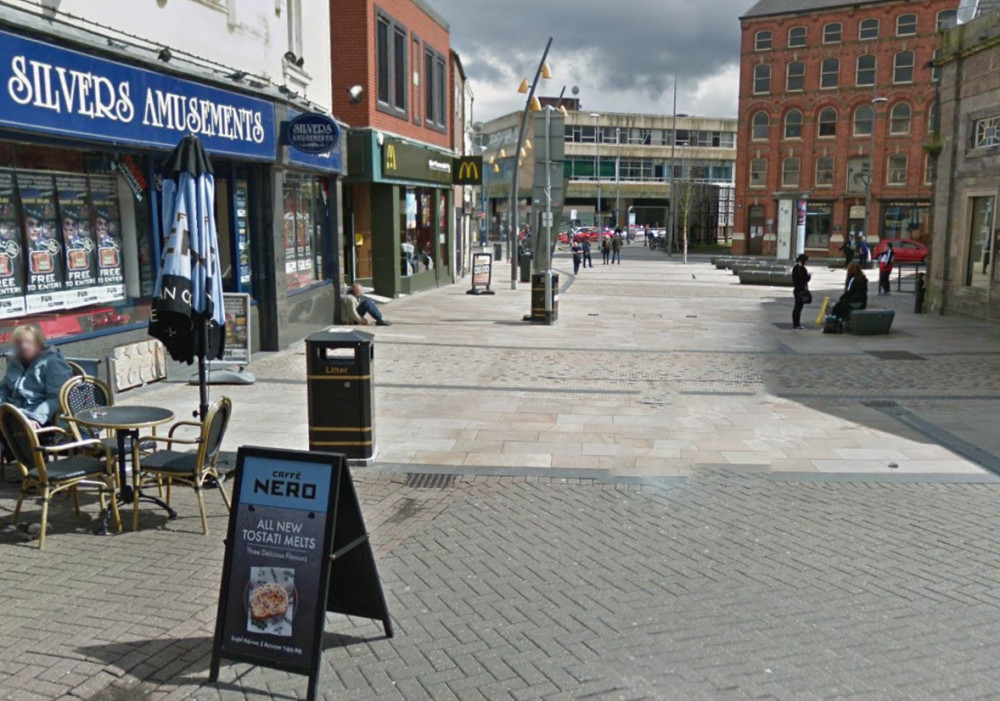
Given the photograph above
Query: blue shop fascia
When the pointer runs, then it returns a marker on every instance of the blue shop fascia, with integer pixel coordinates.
(83, 134)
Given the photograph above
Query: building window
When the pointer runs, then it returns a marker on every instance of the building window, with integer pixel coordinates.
(390, 64)
(980, 242)
(824, 171)
(793, 124)
(868, 29)
(829, 73)
(928, 169)
(935, 71)
(906, 25)
(760, 127)
(795, 80)
(435, 89)
(305, 206)
(828, 122)
(899, 118)
(866, 70)
(896, 172)
(832, 33)
(932, 118)
(796, 37)
(902, 67)
(761, 79)
(758, 172)
(986, 132)
(864, 115)
(946, 19)
(819, 220)
(763, 40)
(790, 172)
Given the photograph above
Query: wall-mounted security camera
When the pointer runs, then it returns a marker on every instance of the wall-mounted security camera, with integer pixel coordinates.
(380, 138)
(354, 93)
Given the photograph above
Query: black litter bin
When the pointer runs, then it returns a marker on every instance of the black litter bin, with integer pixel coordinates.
(341, 395)
(525, 261)
(538, 299)
(497, 252)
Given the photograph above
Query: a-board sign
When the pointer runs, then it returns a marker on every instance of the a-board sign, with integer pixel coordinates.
(295, 522)
(482, 273)
(237, 310)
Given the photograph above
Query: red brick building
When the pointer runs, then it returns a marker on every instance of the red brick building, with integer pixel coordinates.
(820, 82)
(392, 82)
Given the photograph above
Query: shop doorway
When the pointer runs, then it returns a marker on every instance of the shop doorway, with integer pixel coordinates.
(755, 220)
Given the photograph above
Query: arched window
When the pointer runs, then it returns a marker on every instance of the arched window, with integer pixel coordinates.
(863, 118)
(899, 118)
(760, 127)
(868, 29)
(902, 67)
(832, 33)
(946, 19)
(761, 79)
(906, 25)
(796, 37)
(866, 70)
(828, 122)
(795, 77)
(793, 124)
(763, 40)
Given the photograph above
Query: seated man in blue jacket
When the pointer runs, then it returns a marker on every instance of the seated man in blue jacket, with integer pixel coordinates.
(35, 374)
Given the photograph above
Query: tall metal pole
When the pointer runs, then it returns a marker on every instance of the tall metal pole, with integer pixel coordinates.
(597, 144)
(687, 200)
(618, 177)
(517, 166)
(672, 224)
(548, 215)
(871, 169)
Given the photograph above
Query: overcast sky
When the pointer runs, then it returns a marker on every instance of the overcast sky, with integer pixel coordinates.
(621, 53)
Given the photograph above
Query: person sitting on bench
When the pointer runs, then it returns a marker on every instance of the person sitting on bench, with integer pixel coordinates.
(855, 293)
(356, 306)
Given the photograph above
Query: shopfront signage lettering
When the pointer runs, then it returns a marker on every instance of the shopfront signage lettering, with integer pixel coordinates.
(468, 170)
(51, 89)
(312, 133)
(406, 161)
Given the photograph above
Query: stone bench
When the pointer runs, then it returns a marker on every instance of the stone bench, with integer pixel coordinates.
(774, 278)
(738, 268)
(870, 322)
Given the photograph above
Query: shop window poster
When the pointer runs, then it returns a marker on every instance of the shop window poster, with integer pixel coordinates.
(77, 232)
(46, 269)
(108, 234)
(11, 261)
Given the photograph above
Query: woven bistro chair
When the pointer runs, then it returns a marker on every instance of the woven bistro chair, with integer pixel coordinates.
(52, 469)
(84, 392)
(191, 467)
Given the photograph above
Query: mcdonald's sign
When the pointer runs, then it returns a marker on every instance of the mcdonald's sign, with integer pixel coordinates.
(468, 170)
(391, 163)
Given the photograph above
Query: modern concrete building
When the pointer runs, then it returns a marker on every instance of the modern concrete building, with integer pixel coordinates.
(621, 165)
(836, 107)
(963, 273)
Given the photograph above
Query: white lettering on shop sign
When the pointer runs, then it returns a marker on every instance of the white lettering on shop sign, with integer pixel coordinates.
(76, 92)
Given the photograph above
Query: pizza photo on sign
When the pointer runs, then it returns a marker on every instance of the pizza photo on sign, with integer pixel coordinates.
(270, 601)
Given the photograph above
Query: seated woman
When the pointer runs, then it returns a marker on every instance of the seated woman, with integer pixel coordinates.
(35, 374)
(855, 293)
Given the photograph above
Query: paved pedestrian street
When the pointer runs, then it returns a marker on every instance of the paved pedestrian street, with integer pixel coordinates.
(667, 495)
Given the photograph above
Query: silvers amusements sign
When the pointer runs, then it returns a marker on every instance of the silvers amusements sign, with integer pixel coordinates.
(69, 93)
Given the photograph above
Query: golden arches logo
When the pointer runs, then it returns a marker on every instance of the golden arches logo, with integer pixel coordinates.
(468, 171)
(390, 157)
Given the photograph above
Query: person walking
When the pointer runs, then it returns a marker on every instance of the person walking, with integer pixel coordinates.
(864, 252)
(855, 293)
(606, 248)
(885, 262)
(848, 250)
(616, 249)
(577, 250)
(587, 260)
(800, 283)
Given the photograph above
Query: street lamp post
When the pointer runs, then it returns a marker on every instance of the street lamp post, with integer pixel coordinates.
(672, 224)
(597, 174)
(618, 177)
(876, 101)
(531, 104)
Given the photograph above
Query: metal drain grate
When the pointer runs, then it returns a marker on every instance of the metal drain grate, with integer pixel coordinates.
(895, 355)
(430, 481)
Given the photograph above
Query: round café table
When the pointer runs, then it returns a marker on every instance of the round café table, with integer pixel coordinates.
(126, 422)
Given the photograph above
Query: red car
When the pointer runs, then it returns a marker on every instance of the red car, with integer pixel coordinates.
(906, 250)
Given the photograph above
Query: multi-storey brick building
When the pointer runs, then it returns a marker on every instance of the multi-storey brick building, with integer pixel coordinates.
(831, 92)
(392, 84)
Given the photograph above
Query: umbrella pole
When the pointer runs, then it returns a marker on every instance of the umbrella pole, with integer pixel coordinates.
(202, 373)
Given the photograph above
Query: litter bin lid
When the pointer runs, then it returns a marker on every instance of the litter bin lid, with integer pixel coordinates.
(345, 335)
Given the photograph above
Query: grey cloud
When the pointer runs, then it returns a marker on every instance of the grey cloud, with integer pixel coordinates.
(617, 50)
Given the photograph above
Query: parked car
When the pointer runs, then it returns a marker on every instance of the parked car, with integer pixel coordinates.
(907, 250)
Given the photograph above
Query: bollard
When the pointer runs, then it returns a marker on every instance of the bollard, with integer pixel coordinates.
(920, 289)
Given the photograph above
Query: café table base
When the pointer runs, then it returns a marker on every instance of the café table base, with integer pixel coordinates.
(126, 493)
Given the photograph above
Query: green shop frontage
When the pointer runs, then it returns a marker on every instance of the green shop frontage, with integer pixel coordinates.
(399, 236)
